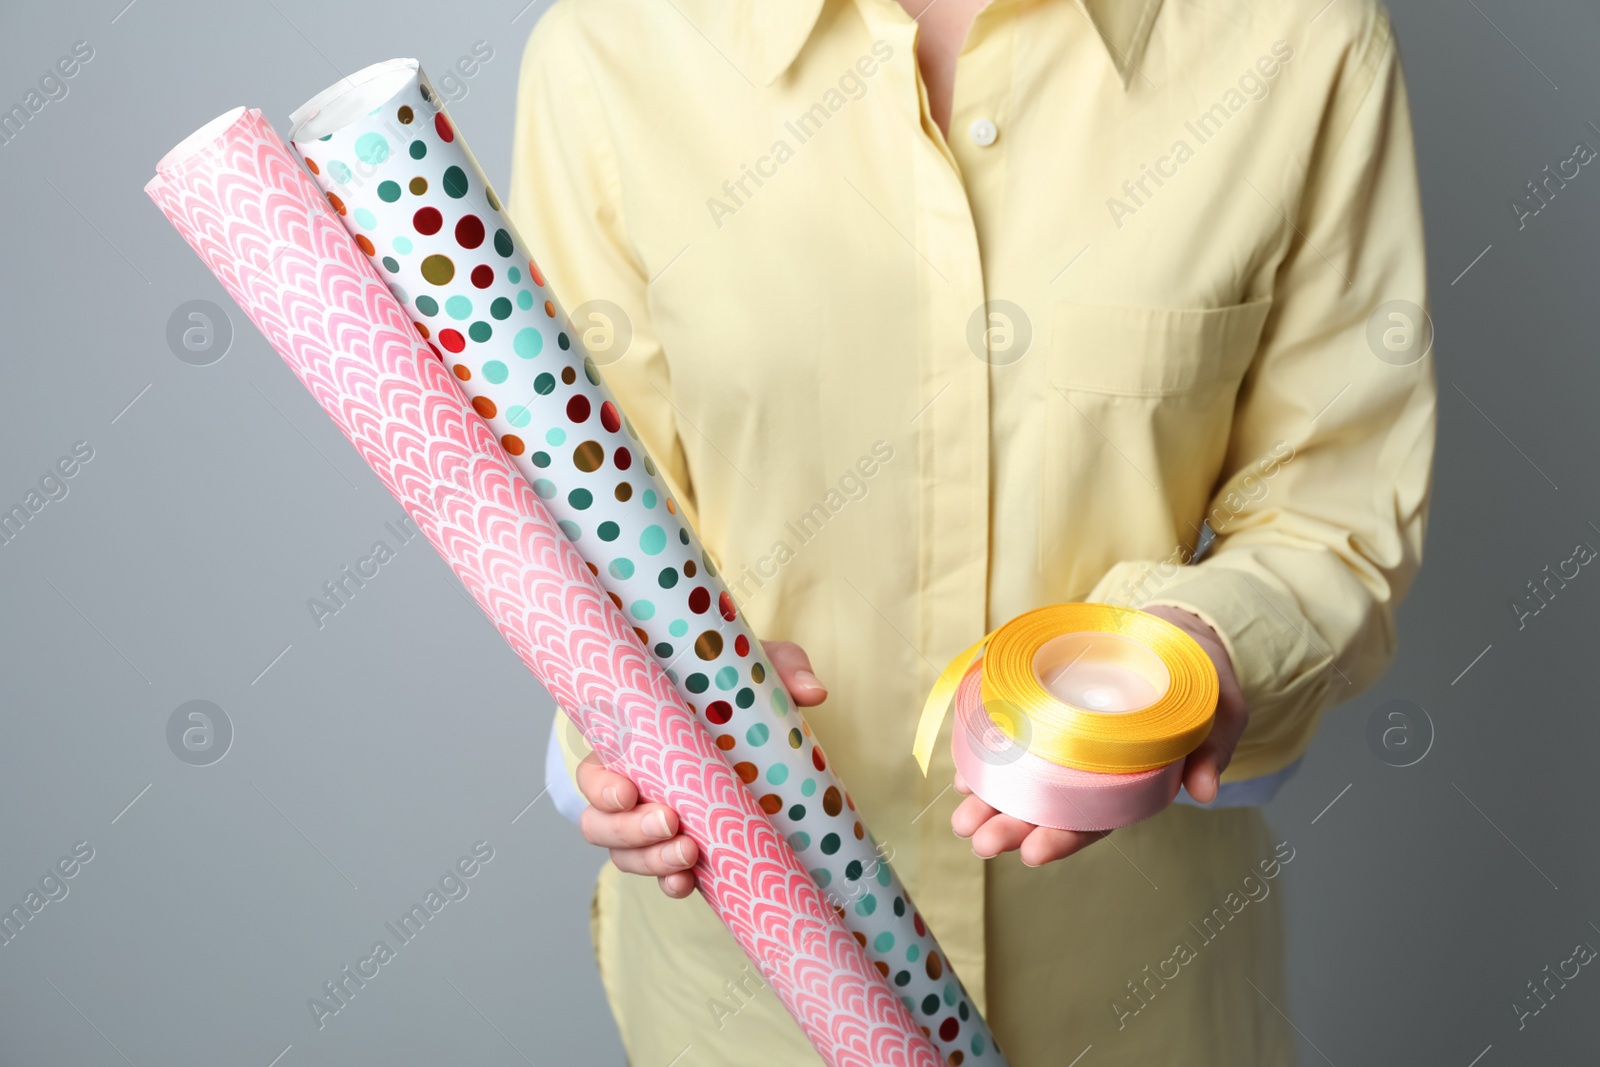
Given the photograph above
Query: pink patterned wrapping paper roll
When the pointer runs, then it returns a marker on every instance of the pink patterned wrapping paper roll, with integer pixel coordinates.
(241, 200)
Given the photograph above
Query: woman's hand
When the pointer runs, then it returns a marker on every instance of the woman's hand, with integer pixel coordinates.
(993, 832)
(645, 838)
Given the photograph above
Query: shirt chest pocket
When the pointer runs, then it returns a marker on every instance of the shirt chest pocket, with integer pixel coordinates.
(1138, 411)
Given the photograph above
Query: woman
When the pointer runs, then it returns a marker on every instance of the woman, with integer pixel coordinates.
(934, 314)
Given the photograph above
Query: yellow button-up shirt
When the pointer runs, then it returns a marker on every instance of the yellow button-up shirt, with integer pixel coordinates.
(1166, 272)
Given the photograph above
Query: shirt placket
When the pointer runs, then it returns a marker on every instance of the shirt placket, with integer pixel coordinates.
(952, 435)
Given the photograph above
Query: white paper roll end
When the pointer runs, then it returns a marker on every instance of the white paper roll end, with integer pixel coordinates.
(200, 139)
(349, 99)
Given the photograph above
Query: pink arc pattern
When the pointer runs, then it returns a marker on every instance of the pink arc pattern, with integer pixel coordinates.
(264, 229)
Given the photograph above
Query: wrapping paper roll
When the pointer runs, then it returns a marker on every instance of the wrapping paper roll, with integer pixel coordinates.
(404, 183)
(245, 205)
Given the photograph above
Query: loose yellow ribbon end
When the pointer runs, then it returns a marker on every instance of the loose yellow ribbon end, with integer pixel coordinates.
(939, 702)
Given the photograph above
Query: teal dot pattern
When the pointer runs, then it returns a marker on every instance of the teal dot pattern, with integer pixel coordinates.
(529, 378)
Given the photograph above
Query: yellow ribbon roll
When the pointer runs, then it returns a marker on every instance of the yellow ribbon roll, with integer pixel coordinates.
(1156, 655)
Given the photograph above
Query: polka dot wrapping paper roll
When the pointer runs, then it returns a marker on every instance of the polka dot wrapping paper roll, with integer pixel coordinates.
(403, 182)
(242, 201)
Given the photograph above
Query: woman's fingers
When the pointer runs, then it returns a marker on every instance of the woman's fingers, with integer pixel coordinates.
(1045, 845)
(794, 670)
(642, 838)
(1202, 772)
(614, 818)
(677, 886)
(646, 824)
(993, 833)
(970, 814)
(674, 856)
(1002, 833)
(606, 790)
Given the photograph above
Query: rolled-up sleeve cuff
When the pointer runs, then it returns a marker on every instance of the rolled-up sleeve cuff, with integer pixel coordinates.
(1275, 652)
(561, 769)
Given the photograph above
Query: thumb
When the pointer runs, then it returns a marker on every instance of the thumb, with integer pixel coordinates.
(794, 670)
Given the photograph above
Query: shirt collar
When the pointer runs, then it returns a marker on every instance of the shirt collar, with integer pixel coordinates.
(765, 36)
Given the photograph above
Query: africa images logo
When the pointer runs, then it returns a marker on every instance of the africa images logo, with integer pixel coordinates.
(1254, 84)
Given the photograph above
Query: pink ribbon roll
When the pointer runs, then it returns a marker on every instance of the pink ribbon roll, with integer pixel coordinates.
(1011, 779)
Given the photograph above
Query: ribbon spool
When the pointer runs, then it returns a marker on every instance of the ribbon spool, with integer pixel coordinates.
(1075, 716)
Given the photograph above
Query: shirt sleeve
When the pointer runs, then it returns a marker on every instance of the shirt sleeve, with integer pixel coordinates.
(566, 204)
(1325, 488)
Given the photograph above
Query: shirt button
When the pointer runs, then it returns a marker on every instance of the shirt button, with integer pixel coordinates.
(983, 132)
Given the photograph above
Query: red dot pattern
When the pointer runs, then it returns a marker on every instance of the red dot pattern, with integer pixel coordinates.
(469, 231)
(427, 221)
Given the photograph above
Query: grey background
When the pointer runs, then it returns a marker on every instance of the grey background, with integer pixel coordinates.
(177, 568)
